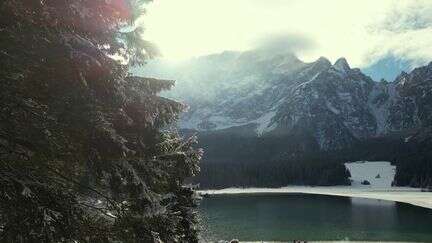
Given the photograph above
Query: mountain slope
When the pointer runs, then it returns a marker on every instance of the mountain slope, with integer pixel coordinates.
(276, 95)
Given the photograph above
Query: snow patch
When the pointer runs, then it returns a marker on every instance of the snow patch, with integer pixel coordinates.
(380, 174)
(309, 81)
(342, 65)
(222, 122)
(263, 123)
(332, 108)
(345, 96)
(409, 195)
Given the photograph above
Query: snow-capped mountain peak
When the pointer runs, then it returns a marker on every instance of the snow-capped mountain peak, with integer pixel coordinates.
(342, 65)
(323, 62)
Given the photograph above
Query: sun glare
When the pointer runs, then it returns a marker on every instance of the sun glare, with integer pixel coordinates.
(353, 29)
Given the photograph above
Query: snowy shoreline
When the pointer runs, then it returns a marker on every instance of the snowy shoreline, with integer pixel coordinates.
(408, 195)
(379, 175)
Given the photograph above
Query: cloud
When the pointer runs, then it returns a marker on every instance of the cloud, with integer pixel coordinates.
(405, 32)
(362, 31)
(285, 43)
(407, 16)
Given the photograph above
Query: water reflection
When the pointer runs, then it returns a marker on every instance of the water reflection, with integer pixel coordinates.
(281, 217)
(381, 214)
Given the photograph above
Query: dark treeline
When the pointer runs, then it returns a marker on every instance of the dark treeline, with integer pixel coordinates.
(235, 160)
(416, 171)
(414, 164)
(272, 174)
(412, 157)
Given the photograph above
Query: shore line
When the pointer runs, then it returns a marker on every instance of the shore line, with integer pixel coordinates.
(336, 241)
(340, 241)
(413, 196)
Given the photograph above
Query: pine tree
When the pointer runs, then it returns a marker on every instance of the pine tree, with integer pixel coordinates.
(85, 153)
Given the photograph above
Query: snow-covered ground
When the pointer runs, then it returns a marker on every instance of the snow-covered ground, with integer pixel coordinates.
(336, 241)
(380, 188)
(409, 195)
(380, 174)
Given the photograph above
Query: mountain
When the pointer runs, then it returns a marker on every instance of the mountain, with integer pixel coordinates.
(388, 68)
(277, 95)
(259, 106)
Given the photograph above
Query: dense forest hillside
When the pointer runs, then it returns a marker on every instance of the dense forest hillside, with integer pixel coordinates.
(241, 161)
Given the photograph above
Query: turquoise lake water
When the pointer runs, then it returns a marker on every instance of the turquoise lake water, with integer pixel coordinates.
(284, 217)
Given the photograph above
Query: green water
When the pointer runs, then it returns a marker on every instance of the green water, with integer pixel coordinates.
(283, 217)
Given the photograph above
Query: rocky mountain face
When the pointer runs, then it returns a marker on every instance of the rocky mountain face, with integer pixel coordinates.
(272, 120)
(266, 96)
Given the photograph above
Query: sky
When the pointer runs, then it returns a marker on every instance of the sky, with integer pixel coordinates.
(361, 31)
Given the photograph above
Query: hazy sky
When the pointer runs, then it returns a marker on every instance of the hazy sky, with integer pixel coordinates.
(360, 30)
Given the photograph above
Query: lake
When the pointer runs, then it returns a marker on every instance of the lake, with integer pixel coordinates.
(283, 217)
